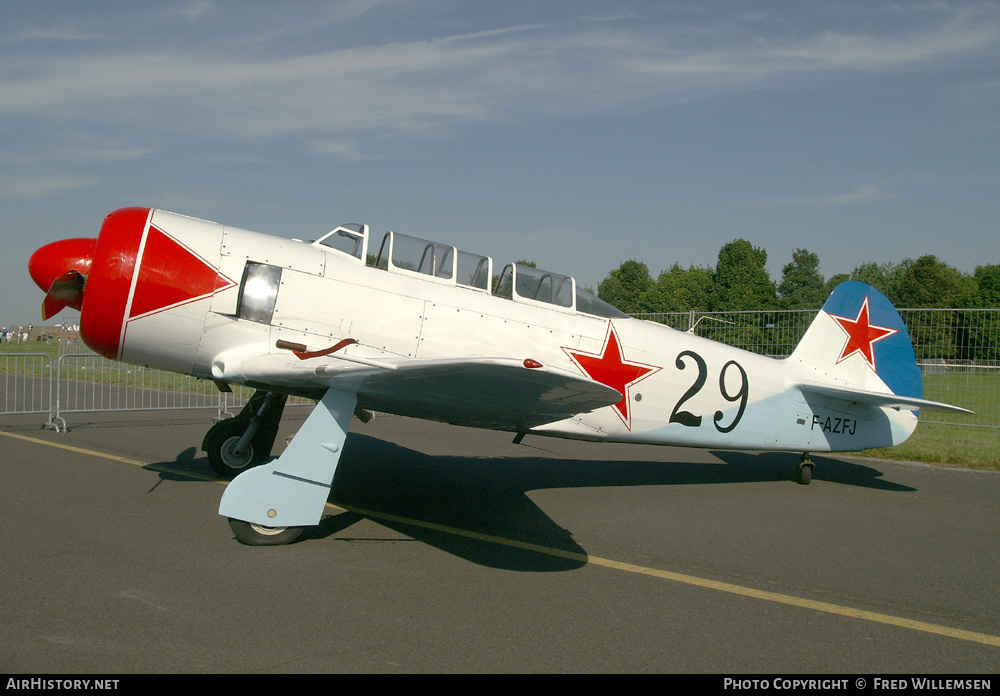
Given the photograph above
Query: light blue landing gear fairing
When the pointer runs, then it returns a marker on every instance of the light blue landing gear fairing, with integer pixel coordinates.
(270, 504)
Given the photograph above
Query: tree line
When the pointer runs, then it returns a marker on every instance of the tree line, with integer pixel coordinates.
(740, 281)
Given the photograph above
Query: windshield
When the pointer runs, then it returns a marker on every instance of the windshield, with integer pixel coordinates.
(348, 239)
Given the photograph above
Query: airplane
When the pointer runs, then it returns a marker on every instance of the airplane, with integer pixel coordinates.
(422, 329)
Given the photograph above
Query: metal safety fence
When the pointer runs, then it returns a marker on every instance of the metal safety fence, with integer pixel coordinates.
(93, 383)
(27, 380)
(87, 382)
(958, 351)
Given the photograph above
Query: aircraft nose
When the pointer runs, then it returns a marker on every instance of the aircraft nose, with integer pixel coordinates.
(60, 269)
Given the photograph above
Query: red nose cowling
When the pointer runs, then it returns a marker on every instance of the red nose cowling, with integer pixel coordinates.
(93, 276)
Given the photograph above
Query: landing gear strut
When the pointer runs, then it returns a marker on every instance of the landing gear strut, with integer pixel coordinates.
(238, 443)
(805, 473)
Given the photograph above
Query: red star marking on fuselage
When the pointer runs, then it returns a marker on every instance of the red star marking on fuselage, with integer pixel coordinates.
(862, 335)
(611, 368)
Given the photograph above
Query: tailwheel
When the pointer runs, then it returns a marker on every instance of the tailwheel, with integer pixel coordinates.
(805, 473)
(259, 535)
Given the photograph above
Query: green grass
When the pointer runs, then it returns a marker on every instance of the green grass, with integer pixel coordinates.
(948, 445)
(49, 349)
(977, 391)
(28, 365)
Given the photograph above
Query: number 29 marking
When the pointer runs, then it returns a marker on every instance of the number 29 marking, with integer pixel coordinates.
(691, 420)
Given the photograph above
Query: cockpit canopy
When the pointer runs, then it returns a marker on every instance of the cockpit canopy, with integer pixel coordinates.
(524, 282)
(402, 253)
(442, 263)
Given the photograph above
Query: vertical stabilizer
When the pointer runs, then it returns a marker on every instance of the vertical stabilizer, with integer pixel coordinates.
(858, 340)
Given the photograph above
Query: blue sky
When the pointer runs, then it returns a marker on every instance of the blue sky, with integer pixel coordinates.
(578, 134)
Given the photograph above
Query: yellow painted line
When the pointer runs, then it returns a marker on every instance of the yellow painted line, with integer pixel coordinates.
(740, 590)
(730, 588)
(104, 455)
(71, 448)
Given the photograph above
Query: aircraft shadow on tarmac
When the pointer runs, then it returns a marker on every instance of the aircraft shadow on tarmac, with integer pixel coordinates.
(488, 496)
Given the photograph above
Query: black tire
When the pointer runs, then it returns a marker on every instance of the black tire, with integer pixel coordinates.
(220, 450)
(258, 535)
(805, 474)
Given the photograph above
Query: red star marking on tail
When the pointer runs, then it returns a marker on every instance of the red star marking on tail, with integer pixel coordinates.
(862, 335)
(611, 368)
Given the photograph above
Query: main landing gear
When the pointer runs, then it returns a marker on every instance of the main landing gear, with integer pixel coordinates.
(268, 505)
(805, 472)
(244, 441)
(238, 443)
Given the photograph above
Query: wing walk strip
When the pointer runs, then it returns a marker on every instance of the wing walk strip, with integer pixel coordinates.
(825, 607)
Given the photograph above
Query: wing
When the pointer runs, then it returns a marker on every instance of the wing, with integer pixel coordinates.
(498, 393)
(860, 396)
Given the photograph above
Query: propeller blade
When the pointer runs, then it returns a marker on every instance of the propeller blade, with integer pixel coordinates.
(66, 290)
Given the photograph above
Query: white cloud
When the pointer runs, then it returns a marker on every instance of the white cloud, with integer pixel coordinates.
(40, 186)
(424, 88)
(345, 149)
(107, 152)
(858, 195)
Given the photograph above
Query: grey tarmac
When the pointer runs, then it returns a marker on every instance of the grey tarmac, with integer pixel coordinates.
(447, 549)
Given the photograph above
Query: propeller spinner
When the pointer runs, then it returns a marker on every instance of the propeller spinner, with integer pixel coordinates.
(61, 269)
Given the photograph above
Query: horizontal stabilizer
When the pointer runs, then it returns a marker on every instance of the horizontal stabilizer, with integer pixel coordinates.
(860, 396)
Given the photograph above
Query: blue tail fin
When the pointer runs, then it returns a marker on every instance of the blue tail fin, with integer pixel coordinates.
(860, 341)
